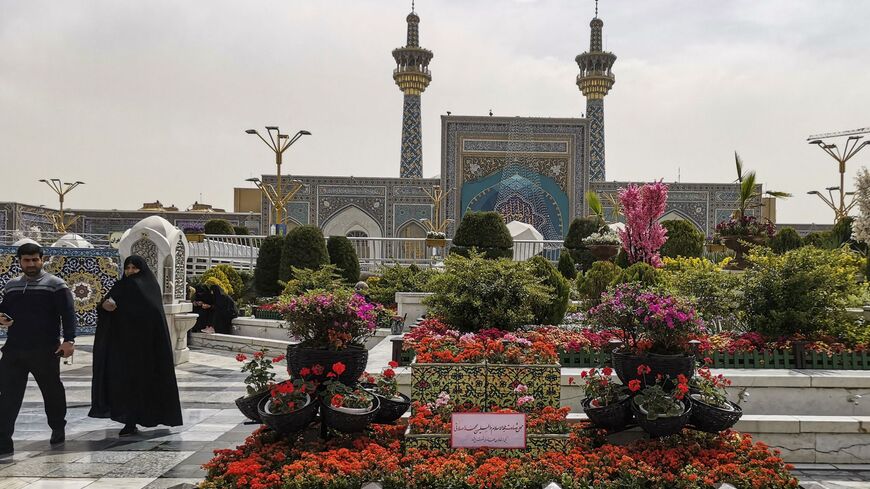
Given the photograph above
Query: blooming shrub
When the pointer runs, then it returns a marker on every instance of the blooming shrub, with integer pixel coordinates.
(600, 388)
(606, 237)
(654, 399)
(710, 388)
(433, 342)
(385, 385)
(693, 460)
(745, 226)
(338, 394)
(643, 235)
(333, 320)
(290, 395)
(259, 368)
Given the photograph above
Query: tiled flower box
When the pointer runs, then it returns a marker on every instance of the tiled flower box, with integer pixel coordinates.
(542, 382)
(464, 382)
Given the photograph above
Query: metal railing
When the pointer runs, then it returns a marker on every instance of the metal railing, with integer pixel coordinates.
(8, 237)
(241, 251)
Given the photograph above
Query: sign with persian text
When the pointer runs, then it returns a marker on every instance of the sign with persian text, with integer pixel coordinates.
(488, 430)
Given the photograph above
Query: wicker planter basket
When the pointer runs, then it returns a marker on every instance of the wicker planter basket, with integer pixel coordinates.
(713, 419)
(662, 426)
(604, 251)
(349, 423)
(615, 417)
(353, 358)
(248, 405)
(288, 422)
(625, 365)
(390, 409)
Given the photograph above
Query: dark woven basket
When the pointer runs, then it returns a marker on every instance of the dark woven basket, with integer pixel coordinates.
(248, 405)
(625, 365)
(713, 419)
(349, 423)
(289, 422)
(663, 426)
(354, 359)
(614, 417)
(390, 409)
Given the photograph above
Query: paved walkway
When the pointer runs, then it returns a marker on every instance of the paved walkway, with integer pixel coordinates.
(94, 457)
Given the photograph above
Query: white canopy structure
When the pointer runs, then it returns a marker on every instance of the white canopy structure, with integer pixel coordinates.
(531, 241)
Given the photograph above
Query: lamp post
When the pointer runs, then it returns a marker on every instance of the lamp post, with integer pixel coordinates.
(61, 189)
(278, 143)
(274, 197)
(850, 149)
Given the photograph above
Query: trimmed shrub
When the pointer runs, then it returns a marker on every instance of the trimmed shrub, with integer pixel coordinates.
(217, 276)
(343, 255)
(821, 240)
(801, 291)
(484, 231)
(241, 230)
(785, 239)
(233, 278)
(218, 226)
(382, 289)
(596, 280)
(566, 265)
(684, 239)
(640, 273)
(476, 293)
(304, 247)
(716, 294)
(553, 310)
(305, 279)
(580, 228)
(266, 271)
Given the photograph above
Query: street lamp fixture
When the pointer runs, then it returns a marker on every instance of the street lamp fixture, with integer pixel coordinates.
(851, 148)
(61, 224)
(278, 143)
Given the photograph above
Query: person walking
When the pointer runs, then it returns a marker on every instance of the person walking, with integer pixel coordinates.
(36, 305)
(134, 370)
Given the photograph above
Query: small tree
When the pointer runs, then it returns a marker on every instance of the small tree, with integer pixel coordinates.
(343, 255)
(218, 277)
(304, 247)
(241, 230)
(643, 235)
(566, 265)
(266, 272)
(218, 226)
(484, 231)
(551, 311)
(684, 239)
(596, 280)
(785, 239)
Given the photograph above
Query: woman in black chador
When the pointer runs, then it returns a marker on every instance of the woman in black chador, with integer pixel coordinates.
(134, 373)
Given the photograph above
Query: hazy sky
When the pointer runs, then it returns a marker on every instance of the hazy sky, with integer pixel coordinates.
(148, 100)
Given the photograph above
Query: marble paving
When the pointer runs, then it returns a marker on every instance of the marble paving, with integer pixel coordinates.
(94, 457)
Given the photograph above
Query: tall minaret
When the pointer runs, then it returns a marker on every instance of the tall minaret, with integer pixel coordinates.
(595, 80)
(412, 76)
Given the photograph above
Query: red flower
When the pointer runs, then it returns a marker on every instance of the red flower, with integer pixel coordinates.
(258, 355)
(708, 360)
(634, 385)
(583, 374)
(682, 379)
(370, 379)
(607, 371)
(570, 380)
(389, 373)
(241, 357)
(304, 372)
(331, 375)
(317, 369)
(393, 364)
(278, 358)
(643, 369)
(338, 368)
(337, 400)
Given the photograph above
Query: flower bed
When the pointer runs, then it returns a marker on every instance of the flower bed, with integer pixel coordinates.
(690, 460)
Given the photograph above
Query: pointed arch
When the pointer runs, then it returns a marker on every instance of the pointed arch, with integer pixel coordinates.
(354, 222)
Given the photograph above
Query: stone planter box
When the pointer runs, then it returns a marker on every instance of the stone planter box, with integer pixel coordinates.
(542, 382)
(464, 382)
(410, 305)
(534, 443)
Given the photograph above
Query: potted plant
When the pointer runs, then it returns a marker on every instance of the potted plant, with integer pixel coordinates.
(658, 411)
(606, 402)
(332, 327)
(259, 381)
(290, 406)
(347, 408)
(711, 410)
(393, 403)
(654, 330)
(436, 239)
(604, 245)
(194, 233)
(741, 231)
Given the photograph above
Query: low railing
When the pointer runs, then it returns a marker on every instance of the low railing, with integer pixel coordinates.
(241, 251)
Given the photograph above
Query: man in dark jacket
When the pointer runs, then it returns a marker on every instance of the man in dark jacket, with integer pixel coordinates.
(34, 307)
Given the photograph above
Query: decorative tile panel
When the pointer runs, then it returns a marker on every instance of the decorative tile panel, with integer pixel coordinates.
(506, 146)
(595, 114)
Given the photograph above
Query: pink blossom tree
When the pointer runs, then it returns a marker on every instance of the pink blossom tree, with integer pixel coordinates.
(643, 235)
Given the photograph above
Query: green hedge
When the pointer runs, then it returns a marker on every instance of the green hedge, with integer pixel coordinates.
(304, 247)
(343, 255)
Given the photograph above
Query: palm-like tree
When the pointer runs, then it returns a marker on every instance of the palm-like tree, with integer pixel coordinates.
(746, 192)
